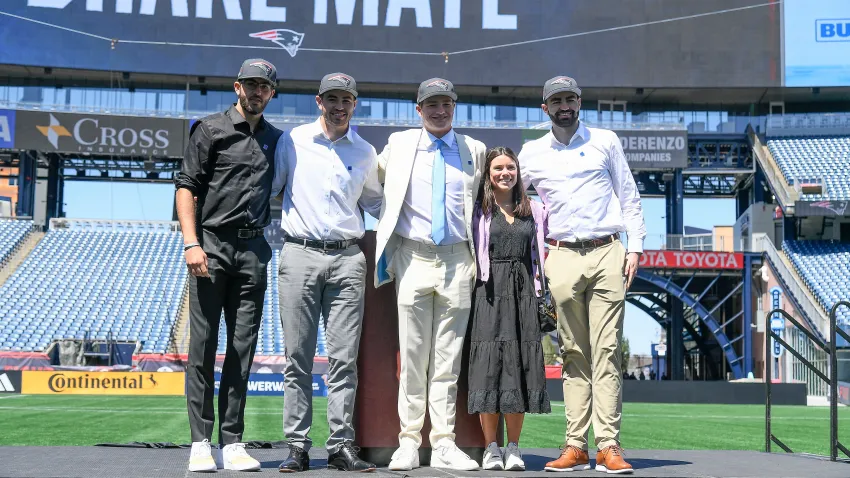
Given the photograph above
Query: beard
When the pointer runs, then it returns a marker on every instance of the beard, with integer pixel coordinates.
(249, 108)
(564, 122)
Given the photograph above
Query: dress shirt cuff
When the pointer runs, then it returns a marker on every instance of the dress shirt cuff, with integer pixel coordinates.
(636, 245)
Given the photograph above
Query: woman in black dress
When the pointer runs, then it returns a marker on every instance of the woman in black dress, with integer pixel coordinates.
(506, 370)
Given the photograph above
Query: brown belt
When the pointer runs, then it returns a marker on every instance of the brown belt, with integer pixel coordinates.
(586, 244)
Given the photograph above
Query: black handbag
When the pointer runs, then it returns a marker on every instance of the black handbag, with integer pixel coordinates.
(547, 316)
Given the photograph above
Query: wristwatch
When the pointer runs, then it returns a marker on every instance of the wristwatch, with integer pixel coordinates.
(186, 247)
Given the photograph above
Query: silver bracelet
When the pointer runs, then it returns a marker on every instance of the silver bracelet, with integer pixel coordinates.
(186, 247)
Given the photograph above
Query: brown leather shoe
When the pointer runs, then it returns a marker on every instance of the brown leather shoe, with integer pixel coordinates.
(572, 459)
(610, 460)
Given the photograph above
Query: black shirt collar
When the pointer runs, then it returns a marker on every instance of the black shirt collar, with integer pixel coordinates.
(237, 118)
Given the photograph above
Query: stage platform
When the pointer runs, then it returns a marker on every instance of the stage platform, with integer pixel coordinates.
(100, 462)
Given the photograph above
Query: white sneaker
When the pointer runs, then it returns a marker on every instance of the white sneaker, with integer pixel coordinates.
(404, 459)
(446, 454)
(513, 458)
(492, 458)
(201, 459)
(236, 458)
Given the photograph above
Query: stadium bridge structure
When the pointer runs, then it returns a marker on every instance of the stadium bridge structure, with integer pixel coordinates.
(710, 309)
(703, 311)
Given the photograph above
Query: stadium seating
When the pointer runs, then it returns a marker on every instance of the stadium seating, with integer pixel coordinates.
(825, 159)
(825, 266)
(12, 233)
(98, 278)
(77, 281)
(270, 341)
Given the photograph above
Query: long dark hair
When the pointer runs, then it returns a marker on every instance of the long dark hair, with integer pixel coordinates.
(522, 204)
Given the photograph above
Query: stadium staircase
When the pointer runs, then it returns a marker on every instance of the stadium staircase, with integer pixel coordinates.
(784, 192)
(795, 286)
(180, 335)
(19, 254)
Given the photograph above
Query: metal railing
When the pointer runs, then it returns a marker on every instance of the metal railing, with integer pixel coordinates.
(832, 381)
(108, 225)
(808, 124)
(763, 244)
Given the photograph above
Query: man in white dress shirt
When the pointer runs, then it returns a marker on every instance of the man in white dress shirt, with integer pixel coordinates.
(325, 171)
(582, 176)
(424, 243)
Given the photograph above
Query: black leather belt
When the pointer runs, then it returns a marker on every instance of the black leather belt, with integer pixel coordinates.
(323, 245)
(240, 233)
(586, 244)
(249, 233)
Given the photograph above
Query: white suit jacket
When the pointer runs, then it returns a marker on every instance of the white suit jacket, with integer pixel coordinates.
(395, 165)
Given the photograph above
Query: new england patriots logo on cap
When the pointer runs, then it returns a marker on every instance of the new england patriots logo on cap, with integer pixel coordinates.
(439, 84)
(563, 81)
(287, 39)
(341, 79)
(266, 67)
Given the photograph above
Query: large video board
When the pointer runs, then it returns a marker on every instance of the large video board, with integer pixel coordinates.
(602, 43)
(816, 37)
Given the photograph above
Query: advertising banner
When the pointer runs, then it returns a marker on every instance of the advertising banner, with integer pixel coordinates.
(603, 43)
(827, 208)
(100, 134)
(10, 381)
(271, 384)
(816, 42)
(691, 260)
(7, 129)
(103, 383)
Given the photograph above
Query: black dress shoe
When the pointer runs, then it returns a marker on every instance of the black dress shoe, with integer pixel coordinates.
(346, 459)
(298, 460)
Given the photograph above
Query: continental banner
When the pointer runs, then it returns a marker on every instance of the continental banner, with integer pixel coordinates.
(103, 383)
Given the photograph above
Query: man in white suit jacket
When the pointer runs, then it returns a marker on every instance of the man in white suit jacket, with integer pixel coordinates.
(431, 177)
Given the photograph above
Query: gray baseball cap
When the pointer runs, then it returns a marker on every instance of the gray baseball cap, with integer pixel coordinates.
(258, 68)
(338, 81)
(435, 87)
(560, 84)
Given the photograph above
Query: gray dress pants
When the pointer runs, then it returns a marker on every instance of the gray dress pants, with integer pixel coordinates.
(314, 285)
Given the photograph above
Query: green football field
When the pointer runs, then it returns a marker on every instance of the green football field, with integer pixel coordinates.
(83, 420)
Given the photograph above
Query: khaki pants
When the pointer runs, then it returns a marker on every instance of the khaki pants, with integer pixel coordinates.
(589, 293)
(434, 290)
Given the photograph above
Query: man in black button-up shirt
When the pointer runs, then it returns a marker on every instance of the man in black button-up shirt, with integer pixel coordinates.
(223, 192)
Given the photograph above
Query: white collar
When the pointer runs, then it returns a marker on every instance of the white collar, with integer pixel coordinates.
(449, 138)
(319, 132)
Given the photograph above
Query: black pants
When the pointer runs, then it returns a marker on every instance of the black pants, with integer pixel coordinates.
(236, 285)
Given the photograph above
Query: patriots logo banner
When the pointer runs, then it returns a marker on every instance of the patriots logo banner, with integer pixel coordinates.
(838, 207)
(287, 39)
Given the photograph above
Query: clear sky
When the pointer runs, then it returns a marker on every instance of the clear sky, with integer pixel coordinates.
(141, 201)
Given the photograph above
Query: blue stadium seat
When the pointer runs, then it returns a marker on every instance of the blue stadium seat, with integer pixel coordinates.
(825, 266)
(76, 281)
(12, 233)
(826, 159)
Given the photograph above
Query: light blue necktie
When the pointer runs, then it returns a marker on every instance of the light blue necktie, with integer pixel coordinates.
(438, 195)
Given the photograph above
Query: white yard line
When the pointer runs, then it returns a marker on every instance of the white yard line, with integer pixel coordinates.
(271, 411)
(10, 396)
